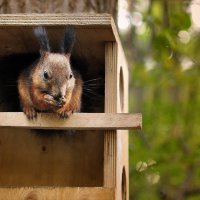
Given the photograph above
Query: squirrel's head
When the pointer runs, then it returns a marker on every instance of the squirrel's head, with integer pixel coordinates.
(53, 74)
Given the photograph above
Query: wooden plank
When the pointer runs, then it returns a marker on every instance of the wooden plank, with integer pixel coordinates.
(111, 78)
(116, 142)
(122, 177)
(111, 102)
(54, 19)
(50, 158)
(57, 193)
(78, 121)
(110, 159)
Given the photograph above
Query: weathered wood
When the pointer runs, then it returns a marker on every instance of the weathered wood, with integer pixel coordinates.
(21, 150)
(78, 121)
(116, 100)
(50, 158)
(111, 102)
(110, 159)
(54, 19)
(122, 179)
(57, 193)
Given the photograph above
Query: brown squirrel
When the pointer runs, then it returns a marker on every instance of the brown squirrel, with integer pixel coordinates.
(50, 84)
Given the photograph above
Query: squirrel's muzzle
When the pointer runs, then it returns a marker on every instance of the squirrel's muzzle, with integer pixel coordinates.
(60, 99)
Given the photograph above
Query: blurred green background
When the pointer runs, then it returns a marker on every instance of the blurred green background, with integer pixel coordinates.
(162, 41)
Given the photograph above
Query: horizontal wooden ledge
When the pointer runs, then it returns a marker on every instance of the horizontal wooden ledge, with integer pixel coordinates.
(78, 121)
(57, 193)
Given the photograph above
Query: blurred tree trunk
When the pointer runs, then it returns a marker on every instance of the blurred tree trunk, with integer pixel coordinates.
(59, 6)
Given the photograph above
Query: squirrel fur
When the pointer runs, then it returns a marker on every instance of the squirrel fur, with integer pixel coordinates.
(50, 84)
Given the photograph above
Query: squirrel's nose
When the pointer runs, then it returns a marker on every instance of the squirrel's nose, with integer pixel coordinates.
(58, 97)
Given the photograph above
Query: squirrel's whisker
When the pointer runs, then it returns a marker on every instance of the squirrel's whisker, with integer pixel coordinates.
(95, 79)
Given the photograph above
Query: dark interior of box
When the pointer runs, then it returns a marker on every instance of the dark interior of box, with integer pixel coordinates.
(50, 157)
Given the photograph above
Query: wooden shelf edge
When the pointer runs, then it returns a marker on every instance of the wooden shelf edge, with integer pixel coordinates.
(54, 19)
(78, 121)
(57, 193)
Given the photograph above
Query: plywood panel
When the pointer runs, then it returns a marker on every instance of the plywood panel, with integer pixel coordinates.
(122, 186)
(111, 102)
(50, 158)
(57, 193)
(116, 142)
(55, 19)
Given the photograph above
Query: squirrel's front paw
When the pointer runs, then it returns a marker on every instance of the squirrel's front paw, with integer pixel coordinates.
(30, 112)
(65, 112)
(48, 99)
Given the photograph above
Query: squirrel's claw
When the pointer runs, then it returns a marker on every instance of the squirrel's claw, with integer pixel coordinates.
(30, 112)
(64, 112)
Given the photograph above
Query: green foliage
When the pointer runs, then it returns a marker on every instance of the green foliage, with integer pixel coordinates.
(166, 91)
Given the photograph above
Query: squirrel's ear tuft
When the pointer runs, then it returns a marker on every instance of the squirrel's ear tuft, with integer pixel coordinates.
(68, 41)
(42, 38)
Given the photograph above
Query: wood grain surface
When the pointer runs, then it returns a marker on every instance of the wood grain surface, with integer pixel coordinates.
(57, 193)
(78, 121)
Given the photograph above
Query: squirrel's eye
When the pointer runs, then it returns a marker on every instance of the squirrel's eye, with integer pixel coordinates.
(70, 76)
(46, 76)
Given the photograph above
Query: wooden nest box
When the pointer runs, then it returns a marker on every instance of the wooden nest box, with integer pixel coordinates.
(40, 160)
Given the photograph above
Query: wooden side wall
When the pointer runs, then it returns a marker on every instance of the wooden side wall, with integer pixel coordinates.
(116, 100)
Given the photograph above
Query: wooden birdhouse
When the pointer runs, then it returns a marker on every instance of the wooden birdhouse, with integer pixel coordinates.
(42, 159)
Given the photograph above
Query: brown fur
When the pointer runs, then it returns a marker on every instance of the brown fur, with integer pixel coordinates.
(40, 94)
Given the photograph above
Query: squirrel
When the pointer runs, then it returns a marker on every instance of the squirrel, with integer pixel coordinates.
(50, 84)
